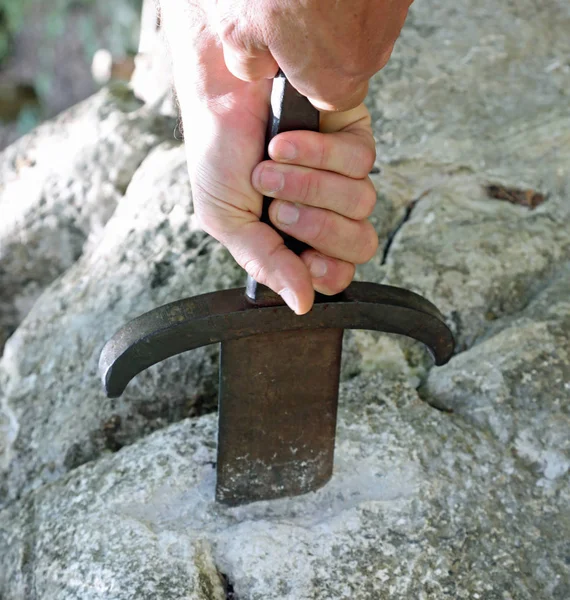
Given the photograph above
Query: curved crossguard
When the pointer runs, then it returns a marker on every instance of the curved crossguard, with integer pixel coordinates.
(279, 372)
(228, 315)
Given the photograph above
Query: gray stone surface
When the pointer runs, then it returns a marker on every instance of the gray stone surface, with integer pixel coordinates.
(150, 253)
(449, 482)
(516, 382)
(58, 187)
(475, 95)
(421, 506)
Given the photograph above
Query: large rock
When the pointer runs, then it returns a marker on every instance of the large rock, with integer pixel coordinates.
(477, 258)
(475, 96)
(58, 187)
(420, 506)
(151, 253)
(458, 490)
(516, 382)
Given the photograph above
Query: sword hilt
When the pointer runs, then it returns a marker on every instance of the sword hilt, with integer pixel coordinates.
(289, 111)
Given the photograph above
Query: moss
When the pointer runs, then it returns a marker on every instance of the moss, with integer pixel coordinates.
(210, 585)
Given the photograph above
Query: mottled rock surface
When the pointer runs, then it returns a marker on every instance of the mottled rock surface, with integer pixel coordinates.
(515, 383)
(150, 253)
(421, 505)
(449, 482)
(58, 187)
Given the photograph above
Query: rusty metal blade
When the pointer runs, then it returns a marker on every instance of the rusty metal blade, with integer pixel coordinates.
(277, 414)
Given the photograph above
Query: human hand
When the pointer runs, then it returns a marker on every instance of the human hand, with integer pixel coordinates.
(327, 53)
(325, 185)
(323, 195)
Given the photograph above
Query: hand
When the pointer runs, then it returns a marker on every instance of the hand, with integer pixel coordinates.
(327, 52)
(324, 196)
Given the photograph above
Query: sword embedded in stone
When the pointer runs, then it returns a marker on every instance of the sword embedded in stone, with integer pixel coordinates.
(279, 372)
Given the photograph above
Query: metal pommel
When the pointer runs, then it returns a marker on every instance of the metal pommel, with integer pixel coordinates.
(227, 315)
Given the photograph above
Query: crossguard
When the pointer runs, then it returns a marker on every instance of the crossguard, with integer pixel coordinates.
(228, 315)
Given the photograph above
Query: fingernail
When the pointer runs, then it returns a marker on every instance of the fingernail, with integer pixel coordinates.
(287, 213)
(290, 299)
(318, 267)
(271, 180)
(284, 150)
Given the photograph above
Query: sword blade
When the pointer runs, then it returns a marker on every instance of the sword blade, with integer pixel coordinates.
(277, 414)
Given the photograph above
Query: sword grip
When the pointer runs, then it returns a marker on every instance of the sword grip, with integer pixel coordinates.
(289, 111)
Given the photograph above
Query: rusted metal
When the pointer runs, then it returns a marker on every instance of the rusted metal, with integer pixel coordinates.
(228, 315)
(277, 408)
(279, 372)
(277, 417)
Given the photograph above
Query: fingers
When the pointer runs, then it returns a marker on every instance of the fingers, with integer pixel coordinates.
(260, 251)
(344, 153)
(352, 198)
(348, 148)
(330, 276)
(246, 57)
(324, 195)
(327, 232)
(249, 65)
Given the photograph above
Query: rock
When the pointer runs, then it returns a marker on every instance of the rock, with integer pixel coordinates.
(58, 187)
(478, 259)
(151, 253)
(516, 382)
(420, 505)
(449, 483)
(453, 111)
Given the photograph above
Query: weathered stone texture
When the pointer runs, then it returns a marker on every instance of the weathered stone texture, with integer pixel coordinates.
(153, 229)
(421, 505)
(58, 187)
(449, 483)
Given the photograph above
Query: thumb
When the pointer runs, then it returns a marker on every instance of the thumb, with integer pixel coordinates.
(251, 64)
(260, 251)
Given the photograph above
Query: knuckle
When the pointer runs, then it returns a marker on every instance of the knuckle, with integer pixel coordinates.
(228, 32)
(367, 158)
(323, 153)
(368, 244)
(321, 229)
(310, 189)
(361, 160)
(255, 269)
(357, 63)
(383, 59)
(366, 201)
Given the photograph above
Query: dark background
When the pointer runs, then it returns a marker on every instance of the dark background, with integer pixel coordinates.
(46, 54)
